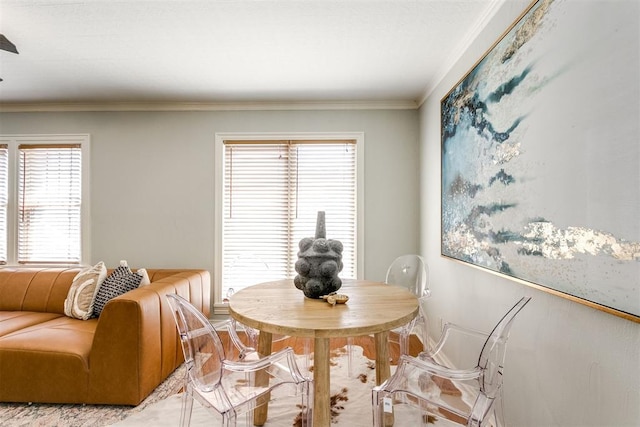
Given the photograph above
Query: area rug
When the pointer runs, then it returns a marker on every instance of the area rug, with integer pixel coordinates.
(350, 404)
(53, 415)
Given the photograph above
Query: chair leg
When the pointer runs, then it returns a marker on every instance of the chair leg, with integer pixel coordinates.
(307, 397)
(498, 411)
(350, 357)
(229, 419)
(187, 407)
(306, 348)
(375, 406)
(382, 417)
(404, 342)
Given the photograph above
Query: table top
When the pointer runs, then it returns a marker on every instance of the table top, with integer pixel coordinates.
(280, 308)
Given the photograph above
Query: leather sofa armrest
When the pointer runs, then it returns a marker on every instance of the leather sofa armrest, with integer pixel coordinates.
(136, 345)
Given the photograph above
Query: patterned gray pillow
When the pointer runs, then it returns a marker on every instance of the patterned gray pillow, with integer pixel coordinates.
(121, 280)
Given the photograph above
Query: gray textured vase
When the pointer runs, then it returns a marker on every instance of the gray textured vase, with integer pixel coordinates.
(319, 262)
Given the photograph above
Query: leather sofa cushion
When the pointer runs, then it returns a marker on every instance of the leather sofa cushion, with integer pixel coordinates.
(56, 352)
(33, 289)
(11, 321)
(57, 336)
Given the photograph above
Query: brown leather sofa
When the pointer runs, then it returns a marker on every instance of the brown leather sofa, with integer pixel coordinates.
(118, 358)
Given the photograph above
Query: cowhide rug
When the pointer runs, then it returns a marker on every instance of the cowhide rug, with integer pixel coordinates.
(350, 402)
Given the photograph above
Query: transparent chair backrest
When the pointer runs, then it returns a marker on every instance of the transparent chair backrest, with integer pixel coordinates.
(411, 272)
(201, 345)
(492, 356)
(244, 270)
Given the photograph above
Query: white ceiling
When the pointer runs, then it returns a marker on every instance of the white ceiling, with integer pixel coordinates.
(233, 51)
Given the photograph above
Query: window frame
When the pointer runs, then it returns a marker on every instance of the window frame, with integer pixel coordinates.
(218, 306)
(13, 142)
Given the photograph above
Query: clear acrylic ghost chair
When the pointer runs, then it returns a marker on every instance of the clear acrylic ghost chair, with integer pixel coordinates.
(413, 385)
(245, 268)
(410, 272)
(227, 387)
(254, 335)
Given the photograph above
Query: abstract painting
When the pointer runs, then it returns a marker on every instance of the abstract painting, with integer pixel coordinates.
(541, 155)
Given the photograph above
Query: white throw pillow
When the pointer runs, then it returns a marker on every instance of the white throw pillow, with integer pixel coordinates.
(79, 302)
(145, 277)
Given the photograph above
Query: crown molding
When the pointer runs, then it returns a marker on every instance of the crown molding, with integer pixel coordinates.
(204, 106)
(463, 46)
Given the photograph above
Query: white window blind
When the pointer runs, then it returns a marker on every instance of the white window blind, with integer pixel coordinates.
(4, 200)
(272, 193)
(49, 203)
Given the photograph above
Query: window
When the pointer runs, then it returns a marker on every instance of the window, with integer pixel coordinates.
(271, 191)
(4, 200)
(41, 197)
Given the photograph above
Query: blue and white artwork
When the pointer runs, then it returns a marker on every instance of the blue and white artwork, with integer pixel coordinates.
(541, 154)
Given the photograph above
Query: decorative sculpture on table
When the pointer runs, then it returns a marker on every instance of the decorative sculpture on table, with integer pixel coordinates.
(319, 262)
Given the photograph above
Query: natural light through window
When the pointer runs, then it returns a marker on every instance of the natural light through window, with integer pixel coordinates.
(41, 199)
(272, 192)
(49, 203)
(4, 200)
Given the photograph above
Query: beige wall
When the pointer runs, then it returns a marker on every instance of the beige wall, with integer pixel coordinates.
(152, 178)
(567, 364)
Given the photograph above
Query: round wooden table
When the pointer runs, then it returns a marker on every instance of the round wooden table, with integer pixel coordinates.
(279, 308)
